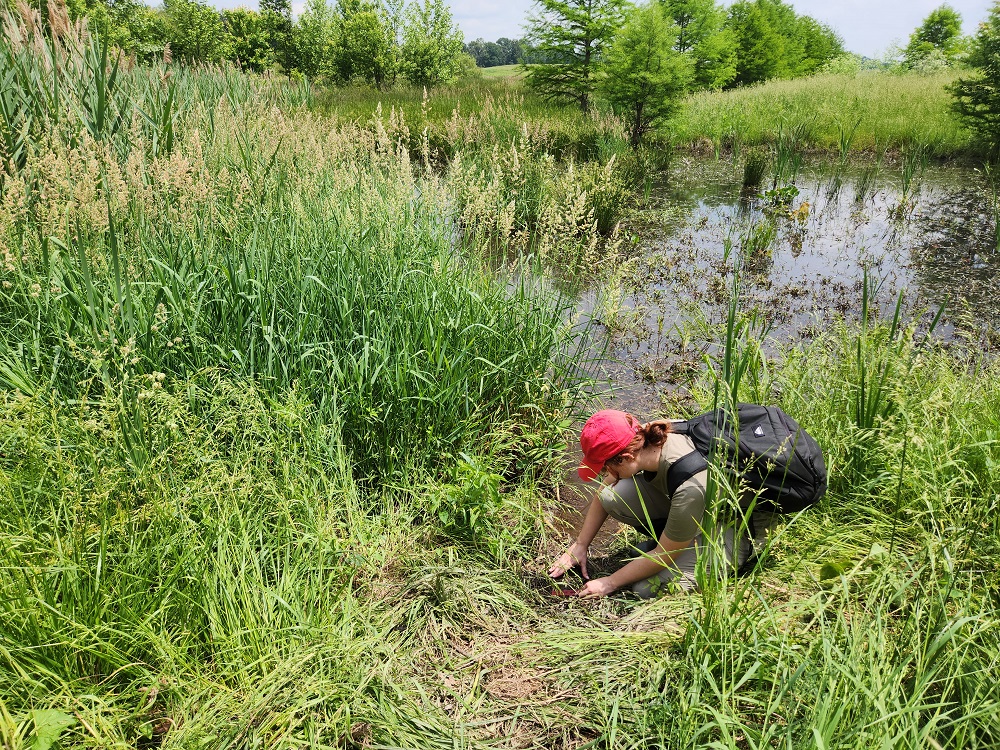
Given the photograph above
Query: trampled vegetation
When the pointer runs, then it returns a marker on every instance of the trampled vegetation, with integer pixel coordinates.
(284, 402)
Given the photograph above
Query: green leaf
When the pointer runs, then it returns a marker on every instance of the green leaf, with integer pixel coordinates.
(831, 570)
(49, 724)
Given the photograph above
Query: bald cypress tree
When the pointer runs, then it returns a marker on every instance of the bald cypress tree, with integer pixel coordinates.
(567, 39)
(644, 75)
(977, 96)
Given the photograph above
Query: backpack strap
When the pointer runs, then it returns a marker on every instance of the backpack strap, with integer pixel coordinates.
(683, 469)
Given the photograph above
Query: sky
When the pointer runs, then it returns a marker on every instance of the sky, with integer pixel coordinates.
(868, 27)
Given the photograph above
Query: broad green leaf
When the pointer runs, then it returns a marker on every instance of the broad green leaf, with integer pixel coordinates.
(49, 725)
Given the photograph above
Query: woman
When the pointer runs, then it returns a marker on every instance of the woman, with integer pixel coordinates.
(634, 459)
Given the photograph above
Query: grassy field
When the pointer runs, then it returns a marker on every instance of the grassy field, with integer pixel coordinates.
(278, 453)
(874, 110)
(864, 114)
(501, 71)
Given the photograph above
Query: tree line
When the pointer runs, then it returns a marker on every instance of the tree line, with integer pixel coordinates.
(503, 51)
(639, 58)
(643, 58)
(371, 41)
(713, 47)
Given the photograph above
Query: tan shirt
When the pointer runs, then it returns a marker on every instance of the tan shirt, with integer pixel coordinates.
(685, 510)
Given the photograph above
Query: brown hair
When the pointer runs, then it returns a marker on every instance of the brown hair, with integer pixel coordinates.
(654, 433)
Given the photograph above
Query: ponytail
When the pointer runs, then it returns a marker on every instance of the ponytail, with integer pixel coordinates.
(653, 434)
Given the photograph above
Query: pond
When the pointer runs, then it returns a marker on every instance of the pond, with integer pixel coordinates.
(804, 243)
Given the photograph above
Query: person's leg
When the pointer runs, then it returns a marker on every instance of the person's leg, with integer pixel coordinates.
(682, 571)
(635, 502)
(758, 532)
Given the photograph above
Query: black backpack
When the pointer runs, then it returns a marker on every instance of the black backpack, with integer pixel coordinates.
(775, 458)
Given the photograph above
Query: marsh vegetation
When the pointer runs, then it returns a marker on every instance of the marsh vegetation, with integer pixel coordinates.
(286, 385)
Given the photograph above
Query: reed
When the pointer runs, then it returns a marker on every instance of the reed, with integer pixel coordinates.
(277, 452)
(788, 152)
(914, 163)
(866, 183)
(994, 204)
(754, 168)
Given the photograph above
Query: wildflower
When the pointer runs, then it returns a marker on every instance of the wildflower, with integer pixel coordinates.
(36, 290)
(7, 284)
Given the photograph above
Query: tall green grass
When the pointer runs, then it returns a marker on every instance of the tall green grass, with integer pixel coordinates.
(836, 113)
(875, 624)
(270, 448)
(476, 115)
(246, 373)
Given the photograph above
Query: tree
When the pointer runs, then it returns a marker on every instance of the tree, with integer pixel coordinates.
(939, 35)
(773, 42)
(567, 38)
(312, 39)
(695, 20)
(278, 19)
(760, 48)
(129, 25)
(486, 54)
(820, 45)
(249, 43)
(977, 98)
(363, 46)
(490, 54)
(700, 34)
(510, 50)
(644, 75)
(195, 31)
(432, 43)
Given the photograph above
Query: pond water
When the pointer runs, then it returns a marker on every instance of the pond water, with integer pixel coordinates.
(804, 252)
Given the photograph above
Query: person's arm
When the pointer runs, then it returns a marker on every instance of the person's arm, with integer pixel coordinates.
(577, 552)
(639, 569)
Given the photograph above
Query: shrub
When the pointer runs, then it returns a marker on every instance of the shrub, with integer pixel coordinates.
(977, 98)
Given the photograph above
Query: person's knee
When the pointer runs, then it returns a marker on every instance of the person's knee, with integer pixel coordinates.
(619, 500)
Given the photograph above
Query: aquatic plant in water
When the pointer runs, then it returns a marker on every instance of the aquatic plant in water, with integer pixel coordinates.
(757, 159)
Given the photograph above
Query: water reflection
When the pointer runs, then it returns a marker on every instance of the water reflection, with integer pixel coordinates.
(929, 234)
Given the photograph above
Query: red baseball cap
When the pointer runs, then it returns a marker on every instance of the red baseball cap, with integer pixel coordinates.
(606, 434)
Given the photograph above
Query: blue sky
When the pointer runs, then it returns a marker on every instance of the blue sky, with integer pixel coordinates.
(868, 27)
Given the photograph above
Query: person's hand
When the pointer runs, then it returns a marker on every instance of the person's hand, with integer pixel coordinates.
(597, 588)
(575, 555)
